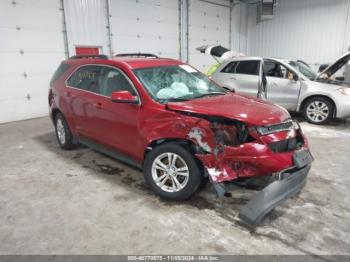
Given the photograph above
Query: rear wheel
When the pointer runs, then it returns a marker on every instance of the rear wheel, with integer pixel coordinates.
(318, 110)
(172, 172)
(63, 134)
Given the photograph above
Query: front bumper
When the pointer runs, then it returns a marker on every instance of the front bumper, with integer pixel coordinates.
(273, 195)
(342, 103)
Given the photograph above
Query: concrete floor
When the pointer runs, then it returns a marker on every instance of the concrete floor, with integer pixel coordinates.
(81, 202)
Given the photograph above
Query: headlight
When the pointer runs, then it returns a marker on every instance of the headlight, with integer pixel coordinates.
(344, 91)
(296, 125)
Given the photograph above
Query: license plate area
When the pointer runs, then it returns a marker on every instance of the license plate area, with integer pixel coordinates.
(302, 158)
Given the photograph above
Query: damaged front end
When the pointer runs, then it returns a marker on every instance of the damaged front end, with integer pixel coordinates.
(230, 149)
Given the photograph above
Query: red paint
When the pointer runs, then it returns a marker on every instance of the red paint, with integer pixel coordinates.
(87, 51)
(131, 128)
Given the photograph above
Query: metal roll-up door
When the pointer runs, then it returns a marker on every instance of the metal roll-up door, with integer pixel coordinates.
(209, 24)
(31, 48)
(147, 26)
(87, 23)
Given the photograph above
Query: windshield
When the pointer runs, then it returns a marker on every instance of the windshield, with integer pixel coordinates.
(303, 69)
(176, 83)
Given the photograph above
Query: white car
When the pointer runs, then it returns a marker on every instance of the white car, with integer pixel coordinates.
(318, 96)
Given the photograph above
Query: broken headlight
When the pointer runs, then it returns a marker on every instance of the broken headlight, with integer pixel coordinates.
(285, 126)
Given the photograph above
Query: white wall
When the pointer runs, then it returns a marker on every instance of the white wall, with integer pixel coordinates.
(239, 28)
(31, 47)
(316, 31)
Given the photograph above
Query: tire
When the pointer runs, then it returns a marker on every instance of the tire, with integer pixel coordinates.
(318, 110)
(186, 186)
(63, 134)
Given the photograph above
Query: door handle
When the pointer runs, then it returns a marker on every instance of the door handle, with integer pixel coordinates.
(98, 105)
(233, 78)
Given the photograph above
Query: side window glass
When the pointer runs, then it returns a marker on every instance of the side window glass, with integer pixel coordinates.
(229, 68)
(248, 68)
(86, 78)
(274, 69)
(114, 80)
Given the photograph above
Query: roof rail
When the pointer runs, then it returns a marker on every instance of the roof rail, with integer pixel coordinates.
(137, 55)
(89, 56)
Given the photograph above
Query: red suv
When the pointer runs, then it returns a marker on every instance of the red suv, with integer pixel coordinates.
(169, 119)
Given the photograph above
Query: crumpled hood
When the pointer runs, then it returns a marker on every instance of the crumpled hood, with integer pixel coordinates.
(246, 109)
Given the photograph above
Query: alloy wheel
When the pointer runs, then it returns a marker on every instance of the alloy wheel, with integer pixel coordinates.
(317, 111)
(170, 172)
(60, 131)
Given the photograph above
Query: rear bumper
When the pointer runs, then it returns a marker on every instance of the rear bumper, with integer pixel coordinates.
(273, 195)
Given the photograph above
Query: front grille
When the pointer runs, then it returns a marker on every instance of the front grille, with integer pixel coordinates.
(284, 145)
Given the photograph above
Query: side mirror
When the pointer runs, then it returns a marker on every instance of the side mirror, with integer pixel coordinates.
(295, 77)
(124, 97)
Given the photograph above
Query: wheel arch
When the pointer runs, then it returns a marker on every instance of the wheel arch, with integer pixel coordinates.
(54, 113)
(302, 104)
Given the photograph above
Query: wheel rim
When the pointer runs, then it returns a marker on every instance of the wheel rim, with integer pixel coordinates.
(170, 172)
(60, 131)
(317, 111)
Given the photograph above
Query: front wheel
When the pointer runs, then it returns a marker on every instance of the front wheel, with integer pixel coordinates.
(318, 110)
(172, 172)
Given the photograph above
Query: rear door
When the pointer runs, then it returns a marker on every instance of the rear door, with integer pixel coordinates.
(240, 76)
(81, 92)
(281, 88)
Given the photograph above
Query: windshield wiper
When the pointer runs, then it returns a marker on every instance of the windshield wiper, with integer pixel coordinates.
(211, 94)
(178, 99)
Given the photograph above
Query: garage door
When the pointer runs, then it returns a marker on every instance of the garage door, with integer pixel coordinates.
(31, 48)
(208, 24)
(148, 26)
(86, 26)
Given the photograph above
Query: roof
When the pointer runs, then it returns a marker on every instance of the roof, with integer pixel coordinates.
(135, 63)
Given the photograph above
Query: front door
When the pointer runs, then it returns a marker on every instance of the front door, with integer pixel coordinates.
(281, 88)
(116, 124)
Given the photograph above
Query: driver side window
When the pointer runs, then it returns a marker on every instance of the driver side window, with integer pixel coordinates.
(112, 80)
(275, 69)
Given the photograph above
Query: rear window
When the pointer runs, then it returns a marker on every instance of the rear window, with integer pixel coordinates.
(59, 71)
(86, 78)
